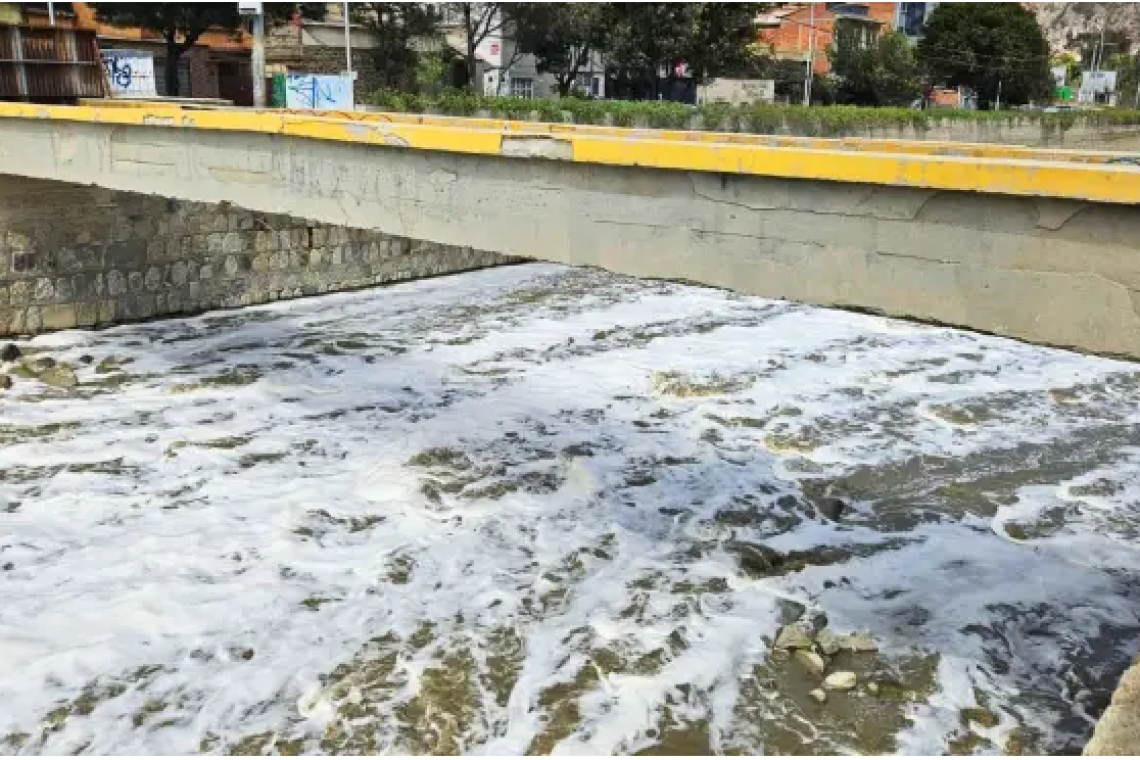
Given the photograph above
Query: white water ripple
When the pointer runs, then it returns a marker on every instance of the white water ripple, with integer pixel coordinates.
(503, 511)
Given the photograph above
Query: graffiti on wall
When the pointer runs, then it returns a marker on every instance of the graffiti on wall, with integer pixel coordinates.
(321, 91)
(130, 73)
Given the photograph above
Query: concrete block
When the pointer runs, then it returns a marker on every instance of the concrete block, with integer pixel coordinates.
(125, 254)
(135, 282)
(16, 321)
(108, 310)
(152, 280)
(87, 314)
(44, 290)
(264, 240)
(33, 319)
(59, 317)
(20, 292)
(138, 306)
(64, 290)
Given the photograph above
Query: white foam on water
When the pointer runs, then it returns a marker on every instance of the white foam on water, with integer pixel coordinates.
(192, 517)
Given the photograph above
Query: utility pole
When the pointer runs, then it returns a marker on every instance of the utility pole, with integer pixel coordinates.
(348, 43)
(51, 13)
(257, 59)
(256, 13)
(811, 56)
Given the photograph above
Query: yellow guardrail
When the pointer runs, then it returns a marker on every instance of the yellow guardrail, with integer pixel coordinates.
(1013, 170)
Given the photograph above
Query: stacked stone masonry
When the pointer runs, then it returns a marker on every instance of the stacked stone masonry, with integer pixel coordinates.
(73, 256)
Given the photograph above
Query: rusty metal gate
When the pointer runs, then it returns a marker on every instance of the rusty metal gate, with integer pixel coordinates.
(49, 64)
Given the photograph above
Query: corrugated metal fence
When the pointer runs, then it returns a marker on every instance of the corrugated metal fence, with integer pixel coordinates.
(49, 65)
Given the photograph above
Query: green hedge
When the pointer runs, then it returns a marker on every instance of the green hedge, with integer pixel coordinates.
(825, 121)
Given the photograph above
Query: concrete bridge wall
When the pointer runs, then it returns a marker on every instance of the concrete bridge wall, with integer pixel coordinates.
(1056, 270)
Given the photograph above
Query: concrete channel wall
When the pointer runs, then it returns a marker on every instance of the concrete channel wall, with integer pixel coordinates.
(1024, 248)
(79, 256)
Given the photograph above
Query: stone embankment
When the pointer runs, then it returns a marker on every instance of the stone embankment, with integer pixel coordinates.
(78, 256)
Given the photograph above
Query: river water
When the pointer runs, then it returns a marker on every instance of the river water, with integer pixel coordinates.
(537, 509)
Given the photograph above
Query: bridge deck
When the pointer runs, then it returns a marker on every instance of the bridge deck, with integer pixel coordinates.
(1098, 176)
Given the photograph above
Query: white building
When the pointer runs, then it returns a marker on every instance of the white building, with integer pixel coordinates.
(1098, 87)
(501, 71)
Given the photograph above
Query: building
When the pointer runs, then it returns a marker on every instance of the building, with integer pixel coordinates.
(318, 47)
(911, 17)
(503, 71)
(795, 31)
(217, 65)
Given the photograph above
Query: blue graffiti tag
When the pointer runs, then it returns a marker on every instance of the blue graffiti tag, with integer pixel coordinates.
(119, 72)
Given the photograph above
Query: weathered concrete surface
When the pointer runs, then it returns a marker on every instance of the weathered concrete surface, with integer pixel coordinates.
(1118, 732)
(1051, 271)
(80, 256)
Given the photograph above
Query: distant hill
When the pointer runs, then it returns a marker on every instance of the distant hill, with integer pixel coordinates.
(1065, 22)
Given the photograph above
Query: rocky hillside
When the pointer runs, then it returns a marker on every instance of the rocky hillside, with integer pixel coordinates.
(1065, 22)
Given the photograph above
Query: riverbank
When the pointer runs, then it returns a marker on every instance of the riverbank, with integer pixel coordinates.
(1118, 730)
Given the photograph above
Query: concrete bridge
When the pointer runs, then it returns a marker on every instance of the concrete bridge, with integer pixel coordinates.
(1034, 244)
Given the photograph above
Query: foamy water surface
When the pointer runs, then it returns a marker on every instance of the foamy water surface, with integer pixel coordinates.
(537, 509)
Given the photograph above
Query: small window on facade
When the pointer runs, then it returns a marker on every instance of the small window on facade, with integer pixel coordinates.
(522, 87)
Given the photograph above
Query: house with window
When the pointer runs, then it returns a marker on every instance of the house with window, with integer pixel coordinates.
(501, 70)
(797, 31)
(217, 65)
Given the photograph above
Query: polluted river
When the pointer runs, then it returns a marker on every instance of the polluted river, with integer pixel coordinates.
(547, 510)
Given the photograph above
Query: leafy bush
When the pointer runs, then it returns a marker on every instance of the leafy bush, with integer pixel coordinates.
(817, 121)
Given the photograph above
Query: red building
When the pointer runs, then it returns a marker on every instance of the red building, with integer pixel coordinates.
(789, 29)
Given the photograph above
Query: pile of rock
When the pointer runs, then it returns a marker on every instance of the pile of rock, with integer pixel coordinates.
(813, 652)
(42, 368)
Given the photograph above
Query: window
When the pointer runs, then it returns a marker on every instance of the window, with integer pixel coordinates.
(522, 87)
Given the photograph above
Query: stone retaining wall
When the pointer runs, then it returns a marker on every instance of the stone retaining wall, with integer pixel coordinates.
(76, 256)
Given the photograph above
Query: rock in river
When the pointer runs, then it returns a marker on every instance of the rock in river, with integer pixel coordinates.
(840, 680)
(819, 695)
(831, 507)
(757, 559)
(810, 661)
(827, 641)
(858, 642)
(59, 376)
(9, 353)
(793, 637)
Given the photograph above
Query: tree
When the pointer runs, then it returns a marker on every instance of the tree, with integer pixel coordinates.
(1096, 48)
(180, 24)
(561, 36)
(1127, 68)
(395, 27)
(881, 71)
(993, 48)
(478, 21)
(1072, 63)
(644, 40)
(277, 14)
